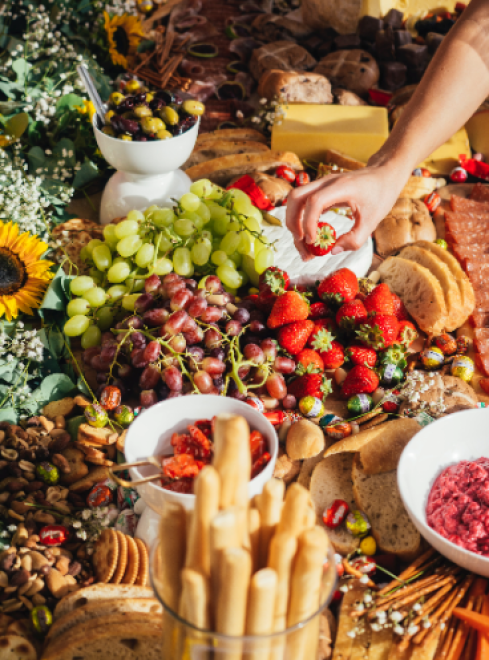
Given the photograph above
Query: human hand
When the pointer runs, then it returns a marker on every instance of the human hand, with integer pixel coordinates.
(370, 193)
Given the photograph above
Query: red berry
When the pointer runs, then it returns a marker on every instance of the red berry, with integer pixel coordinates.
(351, 314)
(379, 332)
(360, 380)
(379, 301)
(309, 358)
(310, 385)
(317, 311)
(400, 311)
(407, 334)
(363, 355)
(325, 240)
(340, 287)
(293, 337)
(333, 358)
(288, 307)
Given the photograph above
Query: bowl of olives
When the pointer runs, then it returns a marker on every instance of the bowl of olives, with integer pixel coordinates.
(147, 137)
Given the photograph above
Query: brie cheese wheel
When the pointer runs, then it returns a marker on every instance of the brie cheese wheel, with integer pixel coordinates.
(308, 272)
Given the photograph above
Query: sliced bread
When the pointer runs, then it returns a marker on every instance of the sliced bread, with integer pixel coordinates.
(381, 446)
(216, 148)
(250, 134)
(451, 291)
(139, 639)
(331, 480)
(419, 290)
(465, 287)
(100, 592)
(378, 496)
(95, 609)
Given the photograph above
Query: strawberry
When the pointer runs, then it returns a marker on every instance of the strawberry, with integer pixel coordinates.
(379, 301)
(359, 354)
(309, 358)
(320, 340)
(400, 312)
(293, 337)
(273, 282)
(288, 307)
(484, 383)
(351, 314)
(360, 380)
(310, 385)
(318, 310)
(325, 240)
(379, 332)
(407, 333)
(327, 325)
(340, 287)
(333, 358)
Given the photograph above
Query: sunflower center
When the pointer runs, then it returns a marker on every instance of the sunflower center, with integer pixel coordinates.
(121, 41)
(12, 273)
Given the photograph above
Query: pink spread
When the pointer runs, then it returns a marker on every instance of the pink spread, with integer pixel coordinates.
(458, 505)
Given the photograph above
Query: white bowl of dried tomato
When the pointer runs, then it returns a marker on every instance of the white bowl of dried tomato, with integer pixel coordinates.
(152, 431)
(443, 478)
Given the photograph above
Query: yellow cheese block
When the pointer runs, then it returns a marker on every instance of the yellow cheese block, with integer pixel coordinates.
(445, 158)
(379, 8)
(308, 130)
(478, 130)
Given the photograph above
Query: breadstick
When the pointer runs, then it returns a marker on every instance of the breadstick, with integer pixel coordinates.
(206, 507)
(270, 507)
(297, 500)
(309, 518)
(254, 534)
(259, 619)
(232, 457)
(171, 554)
(305, 590)
(232, 599)
(280, 557)
(409, 572)
(223, 534)
(195, 596)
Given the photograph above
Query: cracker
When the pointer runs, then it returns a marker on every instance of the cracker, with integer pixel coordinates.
(14, 647)
(103, 436)
(375, 421)
(96, 473)
(368, 416)
(96, 460)
(122, 559)
(132, 567)
(143, 572)
(106, 555)
(90, 451)
(62, 407)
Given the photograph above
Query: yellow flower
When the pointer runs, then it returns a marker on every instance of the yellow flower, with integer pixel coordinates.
(24, 276)
(124, 34)
(87, 109)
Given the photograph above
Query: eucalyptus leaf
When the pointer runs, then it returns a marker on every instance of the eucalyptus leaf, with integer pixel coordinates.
(55, 296)
(9, 371)
(21, 67)
(17, 125)
(52, 388)
(80, 383)
(36, 158)
(9, 415)
(87, 173)
(8, 88)
(64, 147)
(69, 101)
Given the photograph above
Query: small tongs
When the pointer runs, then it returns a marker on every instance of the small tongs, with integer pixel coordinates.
(152, 460)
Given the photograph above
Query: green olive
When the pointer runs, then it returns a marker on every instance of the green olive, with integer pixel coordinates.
(108, 130)
(163, 135)
(127, 115)
(141, 111)
(132, 86)
(192, 107)
(151, 125)
(127, 138)
(149, 97)
(116, 98)
(108, 116)
(169, 116)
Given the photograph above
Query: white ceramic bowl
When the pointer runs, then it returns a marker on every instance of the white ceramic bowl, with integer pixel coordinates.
(150, 435)
(462, 436)
(146, 158)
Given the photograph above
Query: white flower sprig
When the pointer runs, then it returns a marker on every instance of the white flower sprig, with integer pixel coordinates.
(22, 344)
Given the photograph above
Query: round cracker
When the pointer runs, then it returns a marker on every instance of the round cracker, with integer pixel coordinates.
(106, 555)
(143, 572)
(122, 562)
(132, 568)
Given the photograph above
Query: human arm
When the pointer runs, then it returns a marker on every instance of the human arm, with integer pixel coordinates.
(454, 85)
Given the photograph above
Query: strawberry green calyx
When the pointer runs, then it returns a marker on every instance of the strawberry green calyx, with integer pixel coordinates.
(395, 354)
(275, 280)
(310, 369)
(372, 336)
(326, 387)
(322, 341)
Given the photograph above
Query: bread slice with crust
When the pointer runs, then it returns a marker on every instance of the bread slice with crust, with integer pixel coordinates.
(210, 149)
(465, 287)
(98, 592)
(453, 299)
(378, 496)
(250, 134)
(419, 290)
(331, 480)
(222, 170)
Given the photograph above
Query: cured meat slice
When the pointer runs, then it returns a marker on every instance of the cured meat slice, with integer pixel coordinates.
(482, 298)
(467, 220)
(480, 318)
(470, 251)
(480, 193)
(482, 362)
(481, 340)
(468, 205)
(469, 237)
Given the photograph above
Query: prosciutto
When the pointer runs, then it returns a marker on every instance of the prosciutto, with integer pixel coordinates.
(243, 47)
(480, 193)
(204, 90)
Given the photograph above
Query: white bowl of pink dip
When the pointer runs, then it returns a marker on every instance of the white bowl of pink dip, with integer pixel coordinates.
(442, 493)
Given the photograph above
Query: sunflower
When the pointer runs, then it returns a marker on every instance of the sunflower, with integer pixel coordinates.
(124, 34)
(24, 276)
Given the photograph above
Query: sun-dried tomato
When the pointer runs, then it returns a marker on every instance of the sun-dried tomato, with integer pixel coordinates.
(260, 464)
(257, 445)
(182, 466)
(201, 440)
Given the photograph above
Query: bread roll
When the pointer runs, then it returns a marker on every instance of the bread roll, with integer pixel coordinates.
(304, 440)
(283, 55)
(408, 222)
(295, 87)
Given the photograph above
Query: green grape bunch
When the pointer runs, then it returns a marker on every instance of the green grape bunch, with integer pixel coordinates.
(209, 231)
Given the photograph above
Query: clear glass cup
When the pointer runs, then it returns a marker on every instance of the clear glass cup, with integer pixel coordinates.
(183, 641)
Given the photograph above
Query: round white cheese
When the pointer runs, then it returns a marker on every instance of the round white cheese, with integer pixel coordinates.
(308, 272)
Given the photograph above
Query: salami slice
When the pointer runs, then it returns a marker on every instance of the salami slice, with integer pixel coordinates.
(480, 318)
(468, 205)
(463, 252)
(481, 340)
(482, 362)
(480, 193)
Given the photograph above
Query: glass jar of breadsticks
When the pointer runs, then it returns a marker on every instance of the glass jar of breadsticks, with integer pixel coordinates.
(240, 579)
